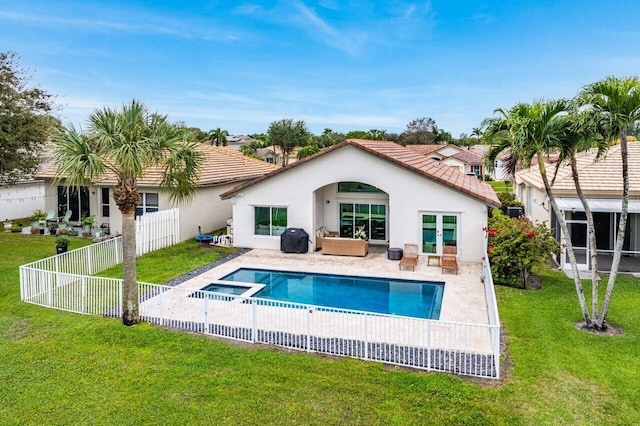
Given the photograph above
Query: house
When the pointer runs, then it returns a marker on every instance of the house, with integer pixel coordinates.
(601, 182)
(269, 155)
(236, 141)
(20, 198)
(392, 193)
(223, 168)
(469, 162)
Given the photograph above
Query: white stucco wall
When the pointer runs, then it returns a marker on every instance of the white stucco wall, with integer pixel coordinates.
(409, 195)
(21, 199)
(206, 209)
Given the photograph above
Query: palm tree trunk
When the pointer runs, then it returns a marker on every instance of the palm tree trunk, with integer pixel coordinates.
(617, 254)
(592, 239)
(130, 312)
(565, 232)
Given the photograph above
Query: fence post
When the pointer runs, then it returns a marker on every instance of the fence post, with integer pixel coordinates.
(83, 303)
(206, 313)
(254, 322)
(429, 346)
(366, 337)
(89, 260)
(309, 313)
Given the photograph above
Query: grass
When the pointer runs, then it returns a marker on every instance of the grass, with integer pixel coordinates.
(62, 368)
(501, 186)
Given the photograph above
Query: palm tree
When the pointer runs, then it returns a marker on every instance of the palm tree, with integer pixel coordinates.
(218, 137)
(126, 143)
(616, 103)
(477, 132)
(581, 135)
(531, 131)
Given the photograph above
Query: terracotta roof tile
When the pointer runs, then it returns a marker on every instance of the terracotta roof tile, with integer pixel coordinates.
(596, 176)
(221, 165)
(404, 157)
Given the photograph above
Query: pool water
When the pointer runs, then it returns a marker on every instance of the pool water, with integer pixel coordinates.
(225, 289)
(418, 299)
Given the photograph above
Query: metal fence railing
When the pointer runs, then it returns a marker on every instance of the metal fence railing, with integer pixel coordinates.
(467, 349)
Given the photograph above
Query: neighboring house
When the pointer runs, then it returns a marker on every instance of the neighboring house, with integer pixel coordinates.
(269, 155)
(21, 198)
(399, 197)
(273, 154)
(601, 182)
(223, 168)
(467, 161)
(237, 141)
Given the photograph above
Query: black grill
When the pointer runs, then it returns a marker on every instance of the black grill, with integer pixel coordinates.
(294, 240)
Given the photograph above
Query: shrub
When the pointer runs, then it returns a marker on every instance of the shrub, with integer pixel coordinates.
(508, 199)
(516, 246)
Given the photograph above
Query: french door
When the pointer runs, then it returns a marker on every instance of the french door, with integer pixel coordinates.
(373, 217)
(438, 230)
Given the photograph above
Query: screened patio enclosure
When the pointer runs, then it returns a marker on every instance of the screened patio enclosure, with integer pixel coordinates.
(606, 217)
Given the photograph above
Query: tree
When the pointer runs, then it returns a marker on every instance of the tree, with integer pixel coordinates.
(306, 151)
(25, 120)
(420, 131)
(218, 137)
(477, 132)
(357, 134)
(616, 105)
(288, 134)
(127, 143)
(531, 131)
(377, 135)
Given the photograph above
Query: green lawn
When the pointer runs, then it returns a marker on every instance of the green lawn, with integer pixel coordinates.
(62, 368)
(501, 186)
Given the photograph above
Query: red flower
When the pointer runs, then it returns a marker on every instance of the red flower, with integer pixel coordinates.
(531, 234)
(493, 232)
(491, 248)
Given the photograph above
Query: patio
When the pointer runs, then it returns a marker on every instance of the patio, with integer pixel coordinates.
(464, 295)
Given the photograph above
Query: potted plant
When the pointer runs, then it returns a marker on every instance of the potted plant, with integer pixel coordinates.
(65, 231)
(36, 217)
(72, 232)
(87, 223)
(7, 225)
(62, 244)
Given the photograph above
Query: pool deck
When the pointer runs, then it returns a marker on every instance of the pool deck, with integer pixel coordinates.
(461, 327)
(463, 299)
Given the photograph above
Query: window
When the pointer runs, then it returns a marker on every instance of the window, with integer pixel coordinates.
(356, 215)
(148, 203)
(104, 200)
(476, 169)
(270, 220)
(76, 200)
(357, 187)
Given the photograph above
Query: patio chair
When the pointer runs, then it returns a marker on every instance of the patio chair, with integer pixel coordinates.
(409, 257)
(449, 259)
(51, 218)
(67, 217)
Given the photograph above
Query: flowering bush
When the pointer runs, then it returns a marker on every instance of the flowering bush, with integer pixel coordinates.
(515, 246)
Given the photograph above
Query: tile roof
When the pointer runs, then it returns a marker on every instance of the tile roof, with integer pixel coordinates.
(424, 149)
(406, 158)
(221, 165)
(468, 157)
(596, 176)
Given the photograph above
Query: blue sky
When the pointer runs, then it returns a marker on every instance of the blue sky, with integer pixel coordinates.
(345, 65)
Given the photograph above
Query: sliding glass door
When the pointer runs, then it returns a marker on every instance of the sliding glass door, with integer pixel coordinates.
(438, 230)
(373, 217)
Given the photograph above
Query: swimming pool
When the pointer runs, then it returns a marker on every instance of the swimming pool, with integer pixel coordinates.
(418, 299)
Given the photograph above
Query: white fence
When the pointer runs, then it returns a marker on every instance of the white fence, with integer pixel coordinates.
(468, 349)
(157, 230)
